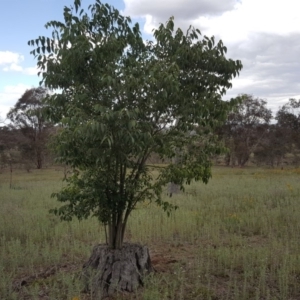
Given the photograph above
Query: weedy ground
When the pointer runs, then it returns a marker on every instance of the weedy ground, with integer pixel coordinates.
(237, 237)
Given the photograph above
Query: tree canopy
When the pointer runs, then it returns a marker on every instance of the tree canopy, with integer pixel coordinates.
(26, 116)
(288, 122)
(123, 99)
(245, 128)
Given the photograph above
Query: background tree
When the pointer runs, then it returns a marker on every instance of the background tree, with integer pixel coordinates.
(9, 152)
(273, 147)
(26, 116)
(245, 128)
(7, 142)
(122, 100)
(288, 122)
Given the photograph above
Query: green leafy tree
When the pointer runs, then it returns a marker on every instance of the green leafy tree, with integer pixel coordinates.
(123, 99)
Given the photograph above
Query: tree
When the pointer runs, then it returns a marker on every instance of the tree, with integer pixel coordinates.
(273, 147)
(7, 143)
(123, 100)
(288, 121)
(26, 116)
(9, 153)
(245, 128)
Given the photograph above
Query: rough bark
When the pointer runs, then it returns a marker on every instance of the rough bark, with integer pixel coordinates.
(110, 270)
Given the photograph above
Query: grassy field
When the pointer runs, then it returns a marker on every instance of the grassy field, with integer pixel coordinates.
(236, 238)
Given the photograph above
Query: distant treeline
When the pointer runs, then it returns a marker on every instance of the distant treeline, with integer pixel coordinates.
(251, 134)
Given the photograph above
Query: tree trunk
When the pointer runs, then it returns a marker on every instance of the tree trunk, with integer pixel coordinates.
(39, 159)
(174, 188)
(110, 270)
(116, 229)
(11, 171)
(227, 159)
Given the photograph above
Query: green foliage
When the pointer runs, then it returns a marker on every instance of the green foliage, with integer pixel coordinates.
(123, 99)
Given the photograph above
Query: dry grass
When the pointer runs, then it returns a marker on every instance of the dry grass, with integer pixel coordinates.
(236, 238)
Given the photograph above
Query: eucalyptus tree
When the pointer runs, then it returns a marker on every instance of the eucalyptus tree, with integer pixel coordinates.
(26, 116)
(288, 122)
(123, 99)
(246, 128)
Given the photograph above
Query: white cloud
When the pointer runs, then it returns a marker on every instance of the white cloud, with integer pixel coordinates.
(31, 70)
(17, 68)
(227, 18)
(248, 16)
(186, 9)
(263, 34)
(11, 62)
(8, 57)
(13, 67)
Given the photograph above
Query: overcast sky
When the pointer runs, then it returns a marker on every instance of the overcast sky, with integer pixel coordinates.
(263, 34)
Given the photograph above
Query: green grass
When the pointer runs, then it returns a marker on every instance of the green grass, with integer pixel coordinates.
(235, 238)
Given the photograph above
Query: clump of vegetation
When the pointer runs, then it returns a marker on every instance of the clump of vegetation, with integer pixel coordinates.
(123, 99)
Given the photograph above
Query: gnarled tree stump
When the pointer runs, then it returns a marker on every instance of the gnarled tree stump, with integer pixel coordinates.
(110, 270)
